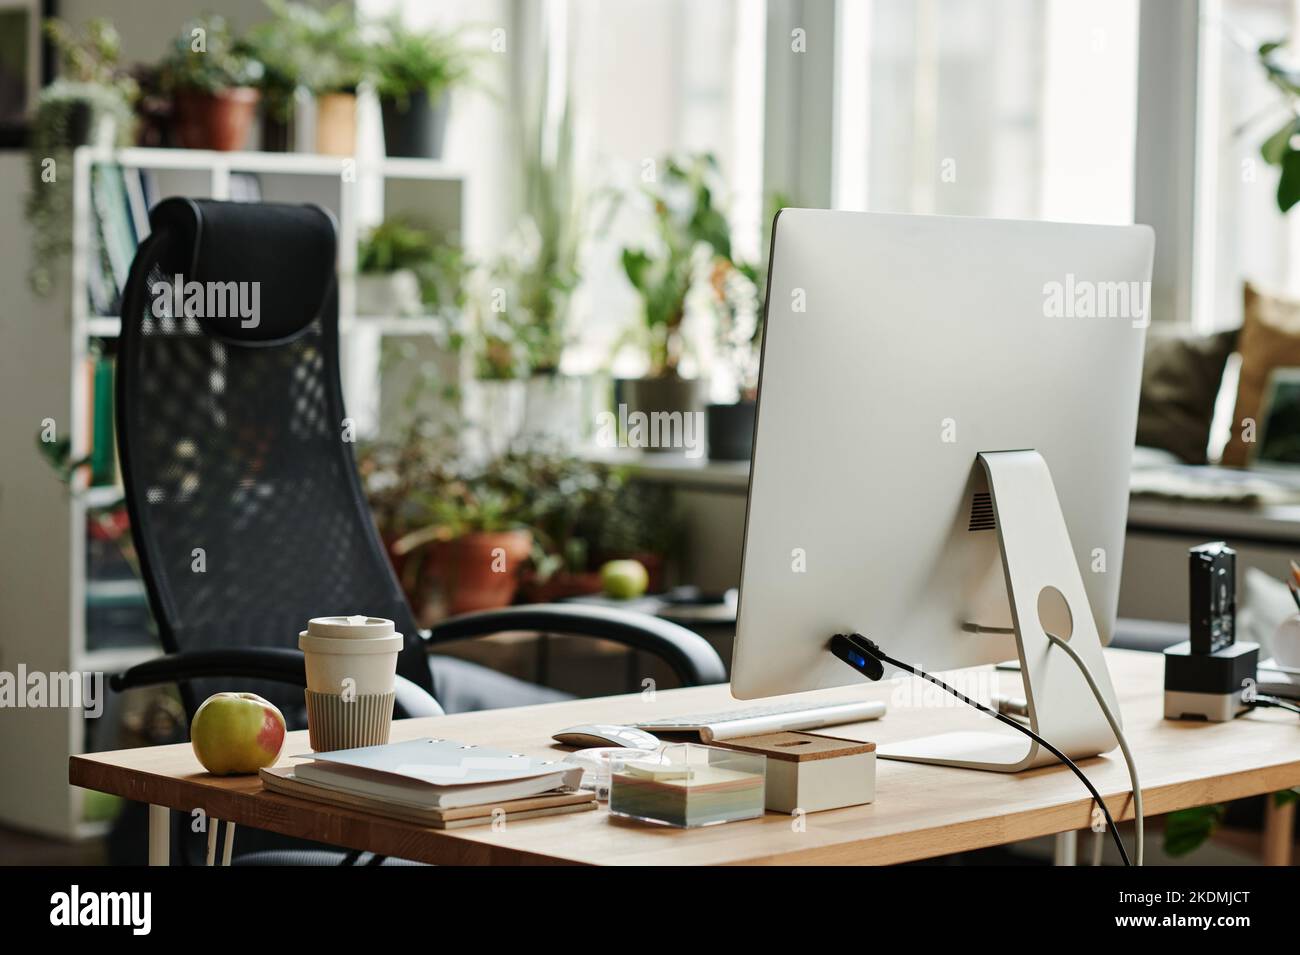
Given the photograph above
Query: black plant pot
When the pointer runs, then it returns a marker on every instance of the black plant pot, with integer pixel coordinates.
(416, 131)
(277, 133)
(731, 431)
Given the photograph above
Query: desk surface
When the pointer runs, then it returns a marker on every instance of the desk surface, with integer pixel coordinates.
(920, 811)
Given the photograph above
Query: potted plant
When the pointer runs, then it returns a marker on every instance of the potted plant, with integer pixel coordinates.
(92, 85)
(334, 68)
(568, 501)
(691, 233)
(577, 513)
(414, 72)
(730, 425)
(392, 471)
(641, 523)
(739, 286)
(89, 104)
(493, 397)
(544, 267)
(476, 535)
(388, 258)
(520, 324)
(281, 44)
(211, 78)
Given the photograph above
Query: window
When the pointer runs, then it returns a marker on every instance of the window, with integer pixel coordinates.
(1006, 108)
(649, 79)
(1240, 234)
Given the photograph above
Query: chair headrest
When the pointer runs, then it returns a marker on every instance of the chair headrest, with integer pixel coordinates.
(288, 251)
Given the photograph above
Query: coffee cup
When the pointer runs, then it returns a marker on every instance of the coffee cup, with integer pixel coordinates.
(351, 667)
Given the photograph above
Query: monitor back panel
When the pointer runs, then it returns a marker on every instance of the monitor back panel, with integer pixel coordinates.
(896, 349)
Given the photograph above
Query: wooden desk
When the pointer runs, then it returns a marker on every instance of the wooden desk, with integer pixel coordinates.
(920, 811)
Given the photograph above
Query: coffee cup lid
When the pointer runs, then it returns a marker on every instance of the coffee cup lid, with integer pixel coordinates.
(357, 626)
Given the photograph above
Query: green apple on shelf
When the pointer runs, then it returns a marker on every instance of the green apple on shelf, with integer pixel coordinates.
(624, 579)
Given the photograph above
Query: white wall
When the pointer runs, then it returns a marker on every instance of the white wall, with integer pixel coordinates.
(148, 26)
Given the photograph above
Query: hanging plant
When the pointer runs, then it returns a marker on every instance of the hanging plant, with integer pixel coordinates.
(91, 103)
(68, 114)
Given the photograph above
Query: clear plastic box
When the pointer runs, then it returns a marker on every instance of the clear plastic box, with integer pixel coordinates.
(688, 785)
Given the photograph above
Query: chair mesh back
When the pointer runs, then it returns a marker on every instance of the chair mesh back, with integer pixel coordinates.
(245, 506)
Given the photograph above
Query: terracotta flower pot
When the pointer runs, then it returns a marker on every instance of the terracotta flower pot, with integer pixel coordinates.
(480, 571)
(218, 120)
(336, 124)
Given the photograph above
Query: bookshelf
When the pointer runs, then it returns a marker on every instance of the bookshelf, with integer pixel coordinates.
(57, 614)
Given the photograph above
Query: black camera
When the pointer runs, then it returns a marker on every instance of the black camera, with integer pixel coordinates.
(1212, 585)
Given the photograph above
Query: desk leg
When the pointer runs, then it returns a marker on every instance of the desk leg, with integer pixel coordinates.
(160, 850)
(1065, 848)
(1279, 832)
(230, 844)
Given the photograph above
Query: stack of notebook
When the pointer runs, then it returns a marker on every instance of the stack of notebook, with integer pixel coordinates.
(435, 782)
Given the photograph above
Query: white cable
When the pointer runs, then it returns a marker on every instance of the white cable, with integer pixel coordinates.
(1119, 735)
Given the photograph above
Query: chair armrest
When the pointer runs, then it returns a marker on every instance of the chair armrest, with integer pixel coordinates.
(413, 700)
(691, 657)
(255, 663)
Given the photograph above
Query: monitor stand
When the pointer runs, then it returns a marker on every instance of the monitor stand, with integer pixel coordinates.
(1040, 570)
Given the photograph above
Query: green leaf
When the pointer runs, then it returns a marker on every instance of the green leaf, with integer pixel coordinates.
(1187, 829)
(1276, 146)
(1288, 186)
(1286, 797)
(636, 264)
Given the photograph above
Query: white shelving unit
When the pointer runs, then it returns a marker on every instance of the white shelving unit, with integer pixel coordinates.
(44, 346)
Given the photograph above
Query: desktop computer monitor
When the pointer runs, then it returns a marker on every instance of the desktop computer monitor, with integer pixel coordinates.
(946, 416)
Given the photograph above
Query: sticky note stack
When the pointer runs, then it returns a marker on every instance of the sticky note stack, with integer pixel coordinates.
(690, 785)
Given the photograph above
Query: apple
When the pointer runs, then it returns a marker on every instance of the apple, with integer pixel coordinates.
(624, 579)
(235, 733)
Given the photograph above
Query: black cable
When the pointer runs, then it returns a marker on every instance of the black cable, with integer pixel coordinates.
(1275, 702)
(870, 647)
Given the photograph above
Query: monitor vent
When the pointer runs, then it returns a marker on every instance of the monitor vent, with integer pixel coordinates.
(981, 512)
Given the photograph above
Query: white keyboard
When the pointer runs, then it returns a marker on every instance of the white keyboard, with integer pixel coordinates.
(767, 718)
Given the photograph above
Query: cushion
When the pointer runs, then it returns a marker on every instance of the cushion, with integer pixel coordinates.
(1181, 375)
(287, 250)
(1270, 338)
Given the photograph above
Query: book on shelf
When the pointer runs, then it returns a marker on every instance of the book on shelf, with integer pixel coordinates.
(117, 198)
(97, 429)
(137, 196)
(103, 445)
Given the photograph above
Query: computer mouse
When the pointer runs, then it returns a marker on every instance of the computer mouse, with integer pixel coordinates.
(606, 734)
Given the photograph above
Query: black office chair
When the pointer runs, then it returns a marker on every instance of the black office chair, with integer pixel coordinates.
(246, 509)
